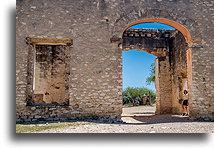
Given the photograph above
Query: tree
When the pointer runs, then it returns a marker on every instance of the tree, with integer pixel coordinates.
(151, 78)
(134, 95)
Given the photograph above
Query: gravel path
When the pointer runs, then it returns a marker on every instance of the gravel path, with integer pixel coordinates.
(142, 120)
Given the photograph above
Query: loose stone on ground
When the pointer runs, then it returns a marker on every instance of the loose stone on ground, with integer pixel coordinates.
(142, 120)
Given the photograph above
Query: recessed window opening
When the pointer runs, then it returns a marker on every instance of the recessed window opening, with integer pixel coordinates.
(49, 79)
(50, 82)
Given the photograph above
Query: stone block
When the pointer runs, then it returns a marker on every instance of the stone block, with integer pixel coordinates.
(37, 116)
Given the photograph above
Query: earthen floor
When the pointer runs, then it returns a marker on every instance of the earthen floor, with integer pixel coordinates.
(142, 120)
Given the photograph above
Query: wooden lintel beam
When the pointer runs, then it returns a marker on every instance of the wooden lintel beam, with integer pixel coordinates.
(49, 41)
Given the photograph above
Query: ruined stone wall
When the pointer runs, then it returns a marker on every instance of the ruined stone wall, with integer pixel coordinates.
(197, 16)
(165, 86)
(202, 63)
(178, 64)
(157, 87)
(95, 63)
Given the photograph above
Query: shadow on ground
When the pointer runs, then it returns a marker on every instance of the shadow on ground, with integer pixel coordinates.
(155, 119)
(146, 115)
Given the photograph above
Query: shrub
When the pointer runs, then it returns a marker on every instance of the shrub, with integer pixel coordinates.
(134, 95)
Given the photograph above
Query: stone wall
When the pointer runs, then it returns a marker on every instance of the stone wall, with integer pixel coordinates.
(96, 64)
(165, 86)
(178, 64)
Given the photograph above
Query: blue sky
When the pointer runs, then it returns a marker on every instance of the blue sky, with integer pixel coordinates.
(152, 26)
(136, 64)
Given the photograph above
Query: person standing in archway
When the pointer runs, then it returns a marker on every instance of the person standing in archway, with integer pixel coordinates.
(185, 104)
(144, 98)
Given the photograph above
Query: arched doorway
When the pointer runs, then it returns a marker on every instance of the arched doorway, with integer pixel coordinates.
(173, 69)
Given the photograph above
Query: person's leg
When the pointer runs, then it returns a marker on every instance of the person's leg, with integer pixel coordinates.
(187, 110)
(183, 107)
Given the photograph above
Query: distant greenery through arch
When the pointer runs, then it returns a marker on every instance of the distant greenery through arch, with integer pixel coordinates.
(133, 95)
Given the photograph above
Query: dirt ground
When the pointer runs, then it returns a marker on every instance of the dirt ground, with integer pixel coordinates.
(142, 120)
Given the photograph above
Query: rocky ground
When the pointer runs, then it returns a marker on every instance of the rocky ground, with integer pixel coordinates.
(142, 120)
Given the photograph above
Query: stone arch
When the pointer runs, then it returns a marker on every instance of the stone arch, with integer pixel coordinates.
(177, 19)
(165, 21)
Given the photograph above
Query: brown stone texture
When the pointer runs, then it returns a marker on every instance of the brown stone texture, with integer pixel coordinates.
(93, 81)
(178, 61)
(50, 73)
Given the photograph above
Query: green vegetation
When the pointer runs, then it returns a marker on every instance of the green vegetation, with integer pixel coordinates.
(151, 78)
(133, 96)
(31, 128)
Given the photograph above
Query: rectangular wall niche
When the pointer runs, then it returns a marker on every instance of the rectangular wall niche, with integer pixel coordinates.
(51, 72)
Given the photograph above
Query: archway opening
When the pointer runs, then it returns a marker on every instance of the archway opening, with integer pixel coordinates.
(172, 70)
